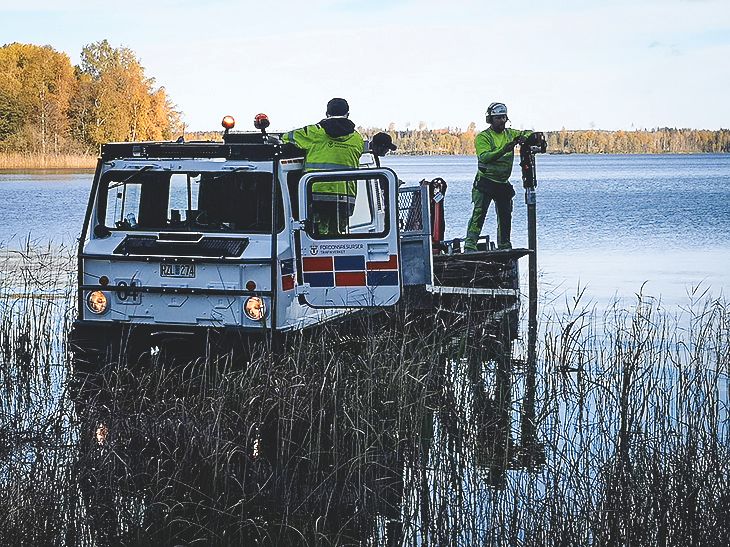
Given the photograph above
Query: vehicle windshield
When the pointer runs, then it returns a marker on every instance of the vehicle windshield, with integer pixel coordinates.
(201, 202)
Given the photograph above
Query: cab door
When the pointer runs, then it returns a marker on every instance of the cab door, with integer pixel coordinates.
(348, 239)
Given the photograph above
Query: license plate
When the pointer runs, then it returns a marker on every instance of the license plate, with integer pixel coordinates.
(177, 270)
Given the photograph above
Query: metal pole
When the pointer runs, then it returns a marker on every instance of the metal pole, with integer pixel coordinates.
(532, 453)
(528, 405)
(275, 248)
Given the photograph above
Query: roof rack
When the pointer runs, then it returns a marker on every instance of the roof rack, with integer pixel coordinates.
(236, 146)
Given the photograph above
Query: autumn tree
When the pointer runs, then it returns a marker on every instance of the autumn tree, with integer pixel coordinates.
(116, 101)
(11, 116)
(36, 86)
(426, 141)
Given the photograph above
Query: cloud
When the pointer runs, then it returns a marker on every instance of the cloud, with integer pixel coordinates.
(667, 49)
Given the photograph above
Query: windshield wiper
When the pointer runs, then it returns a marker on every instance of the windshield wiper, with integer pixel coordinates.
(232, 171)
(132, 176)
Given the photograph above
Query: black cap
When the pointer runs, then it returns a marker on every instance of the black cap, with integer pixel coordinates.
(337, 107)
(382, 141)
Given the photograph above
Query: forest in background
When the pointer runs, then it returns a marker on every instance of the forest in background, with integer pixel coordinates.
(654, 141)
(54, 114)
(50, 107)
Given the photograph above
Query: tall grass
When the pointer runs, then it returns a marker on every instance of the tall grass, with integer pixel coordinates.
(370, 436)
(19, 160)
(35, 417)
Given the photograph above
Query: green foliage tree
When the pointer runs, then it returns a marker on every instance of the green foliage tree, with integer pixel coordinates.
(11, 116)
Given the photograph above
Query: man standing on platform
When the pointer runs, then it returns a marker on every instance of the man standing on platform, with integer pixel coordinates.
(495, 155)
(331, 144)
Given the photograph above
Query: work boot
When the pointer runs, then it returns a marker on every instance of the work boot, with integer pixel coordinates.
(469, 250)
(507, 245)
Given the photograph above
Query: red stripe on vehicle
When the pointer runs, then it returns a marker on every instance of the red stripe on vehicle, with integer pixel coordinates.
(390, 264)
(350, 279)
(317, 264)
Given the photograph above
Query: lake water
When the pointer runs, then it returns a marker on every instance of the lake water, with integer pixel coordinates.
(607, 223)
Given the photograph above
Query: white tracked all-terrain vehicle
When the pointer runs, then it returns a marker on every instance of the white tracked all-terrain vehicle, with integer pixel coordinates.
(215, 244)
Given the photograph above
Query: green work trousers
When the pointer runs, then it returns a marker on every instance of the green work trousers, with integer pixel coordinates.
(331, 213)
(483, 193)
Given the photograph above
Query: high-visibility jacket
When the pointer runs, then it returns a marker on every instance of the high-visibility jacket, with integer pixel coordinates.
(329, 150)
(494, 158)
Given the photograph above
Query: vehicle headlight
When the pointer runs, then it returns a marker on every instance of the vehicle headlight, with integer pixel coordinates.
(254, 308)
(97, 302)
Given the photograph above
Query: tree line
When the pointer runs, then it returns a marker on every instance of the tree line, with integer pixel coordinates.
(654, 141)
(49, 107)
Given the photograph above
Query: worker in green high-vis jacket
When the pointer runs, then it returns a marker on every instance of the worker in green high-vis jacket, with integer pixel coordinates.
(331, 144)
(495, 155)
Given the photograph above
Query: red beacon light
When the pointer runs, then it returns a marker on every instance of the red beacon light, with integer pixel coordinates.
(228, 123)
(261, 121)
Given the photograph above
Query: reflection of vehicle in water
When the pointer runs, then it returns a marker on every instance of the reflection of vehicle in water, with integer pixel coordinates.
(173, 455)
(213, 247)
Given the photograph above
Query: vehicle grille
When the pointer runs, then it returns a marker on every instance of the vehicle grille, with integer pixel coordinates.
(219, 247)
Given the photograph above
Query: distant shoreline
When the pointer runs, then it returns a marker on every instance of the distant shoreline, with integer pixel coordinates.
(10, 162)
(562, 153)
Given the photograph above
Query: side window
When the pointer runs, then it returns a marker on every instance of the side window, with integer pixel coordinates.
(362, 213)
(346, 208)
(122, 205)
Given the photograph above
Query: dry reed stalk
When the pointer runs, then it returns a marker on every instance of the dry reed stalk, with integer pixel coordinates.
(21, 161)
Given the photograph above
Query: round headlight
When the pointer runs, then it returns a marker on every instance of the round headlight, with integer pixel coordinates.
(254, 308)
(97, 302)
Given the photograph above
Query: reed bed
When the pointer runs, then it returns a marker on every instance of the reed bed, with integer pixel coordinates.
(21, 161)
(35, 417)
(369, 436)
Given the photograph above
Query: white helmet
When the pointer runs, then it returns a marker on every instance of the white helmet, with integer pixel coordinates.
(496, 109)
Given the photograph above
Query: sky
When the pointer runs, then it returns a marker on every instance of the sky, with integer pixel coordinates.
(589, 64)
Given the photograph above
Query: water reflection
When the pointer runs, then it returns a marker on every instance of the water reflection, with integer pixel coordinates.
(178, 454)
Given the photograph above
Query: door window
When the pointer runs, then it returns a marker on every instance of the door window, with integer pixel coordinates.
(346, 207)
